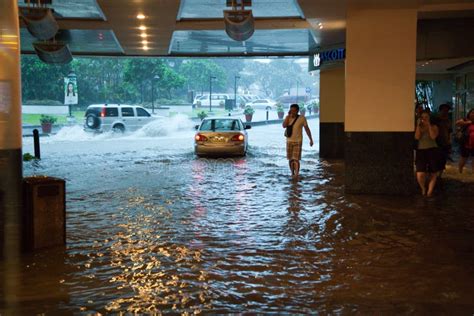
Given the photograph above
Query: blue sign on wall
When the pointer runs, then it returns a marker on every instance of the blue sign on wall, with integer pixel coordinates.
(318, 59)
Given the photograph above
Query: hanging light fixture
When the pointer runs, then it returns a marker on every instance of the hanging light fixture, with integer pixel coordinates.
(239, 23)
(39, 20)
(52, 52)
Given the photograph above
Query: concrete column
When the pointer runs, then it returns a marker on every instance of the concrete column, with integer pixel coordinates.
(331, 116)
(10, 148)
(443, 92)
(380, 84)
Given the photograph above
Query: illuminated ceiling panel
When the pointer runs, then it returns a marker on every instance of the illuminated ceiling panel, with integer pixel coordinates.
(85, 9)
(266, 42)
(80, 41)
(213, 9)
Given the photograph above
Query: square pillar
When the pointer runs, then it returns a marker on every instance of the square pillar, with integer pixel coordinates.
(331, 112)
(10, 153)
(380, 84)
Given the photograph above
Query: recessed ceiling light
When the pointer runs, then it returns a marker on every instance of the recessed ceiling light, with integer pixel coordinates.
(321, 26)
(145, 47)
(143, 35)
(142, 27)
(144, 42)
(140, 16)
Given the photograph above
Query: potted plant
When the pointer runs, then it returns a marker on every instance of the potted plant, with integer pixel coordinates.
(202, 115)
(47, 123)
(280, 110)
(316, 107)
(302, 109)
(248, 111)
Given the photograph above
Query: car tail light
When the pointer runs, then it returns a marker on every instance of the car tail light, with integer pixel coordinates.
(200, 138)
(238, 138)
(102, 112)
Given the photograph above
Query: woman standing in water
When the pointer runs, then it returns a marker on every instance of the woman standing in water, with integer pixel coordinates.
(467, 146)
(428, 155)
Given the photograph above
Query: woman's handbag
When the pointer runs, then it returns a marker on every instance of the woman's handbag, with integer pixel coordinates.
(289, 128)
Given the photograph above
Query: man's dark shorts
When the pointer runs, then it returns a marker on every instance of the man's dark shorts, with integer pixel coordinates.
(429, 160)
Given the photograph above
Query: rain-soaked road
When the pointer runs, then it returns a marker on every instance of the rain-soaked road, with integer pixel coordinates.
(152, 228)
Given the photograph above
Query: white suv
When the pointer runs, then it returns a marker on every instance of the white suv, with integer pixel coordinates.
(218, 100)
(116, 117)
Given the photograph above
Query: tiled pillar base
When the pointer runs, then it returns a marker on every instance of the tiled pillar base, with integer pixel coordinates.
(379, 163)
(331, 140)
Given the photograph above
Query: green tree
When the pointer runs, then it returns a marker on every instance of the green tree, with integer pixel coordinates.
(42, 81)
(198, 71)
(141, 72)
(276, 76)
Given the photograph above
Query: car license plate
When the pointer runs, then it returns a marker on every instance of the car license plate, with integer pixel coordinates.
(218, 139)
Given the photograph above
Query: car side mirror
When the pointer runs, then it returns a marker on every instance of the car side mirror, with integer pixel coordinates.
(196, 127)
(248, 126)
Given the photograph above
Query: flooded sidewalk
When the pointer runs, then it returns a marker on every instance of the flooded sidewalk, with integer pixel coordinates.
(153, 229)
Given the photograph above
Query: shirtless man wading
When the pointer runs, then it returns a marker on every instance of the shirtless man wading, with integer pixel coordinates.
(294, 143)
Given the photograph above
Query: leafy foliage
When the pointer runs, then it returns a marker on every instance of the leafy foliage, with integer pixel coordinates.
(198, 72)
(202, 115)
(249, 110)
(279, 108)
(45, 119)
(157, 80)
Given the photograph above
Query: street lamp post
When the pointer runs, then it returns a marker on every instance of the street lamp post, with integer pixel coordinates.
(210, 92)
(156, 77)
(235, 90)
(297, 87)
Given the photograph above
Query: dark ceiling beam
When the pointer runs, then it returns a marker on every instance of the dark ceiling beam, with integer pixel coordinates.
(79, 24)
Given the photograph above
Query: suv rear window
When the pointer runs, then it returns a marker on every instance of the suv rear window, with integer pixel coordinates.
(111, 112)
(95, 111)
(127, 112)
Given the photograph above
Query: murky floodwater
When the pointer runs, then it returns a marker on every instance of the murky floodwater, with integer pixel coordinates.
(151, 228)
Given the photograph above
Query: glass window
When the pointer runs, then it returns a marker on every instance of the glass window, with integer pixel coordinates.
(221, 125)
(205, 42)
(207, 9)
(95, 111)
(470, 82)
(142, 112)
(127, 112)
(111, 112)
(460, 83)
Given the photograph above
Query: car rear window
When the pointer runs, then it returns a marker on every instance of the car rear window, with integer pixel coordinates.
(220, 125)
(127, 112)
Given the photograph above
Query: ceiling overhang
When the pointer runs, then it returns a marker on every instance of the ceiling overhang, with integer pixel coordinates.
(113, 27)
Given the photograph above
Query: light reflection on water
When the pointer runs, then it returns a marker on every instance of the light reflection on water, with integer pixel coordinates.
(175, 234)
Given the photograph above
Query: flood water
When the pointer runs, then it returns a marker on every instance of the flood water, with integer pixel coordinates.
(153, 229)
